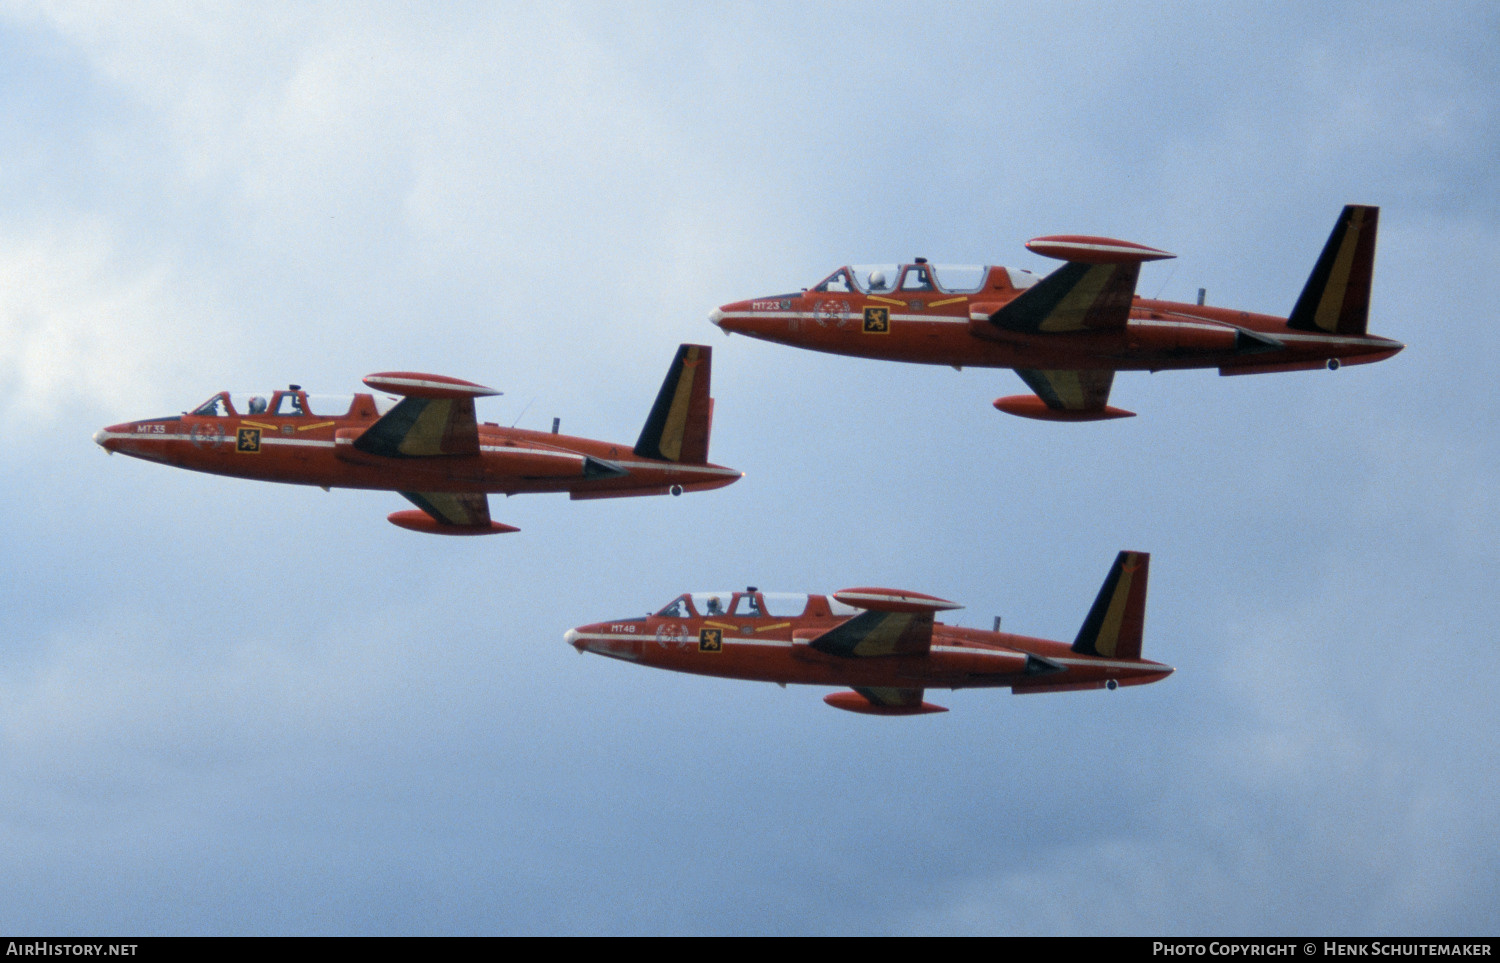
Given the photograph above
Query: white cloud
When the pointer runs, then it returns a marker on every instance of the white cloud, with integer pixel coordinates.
(85, 322)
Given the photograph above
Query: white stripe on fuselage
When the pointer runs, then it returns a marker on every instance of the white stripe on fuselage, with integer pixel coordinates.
(1009, 655)
(1199, 324)
(268, 439)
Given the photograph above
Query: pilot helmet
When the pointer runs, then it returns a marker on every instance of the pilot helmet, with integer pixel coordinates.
(877, 280)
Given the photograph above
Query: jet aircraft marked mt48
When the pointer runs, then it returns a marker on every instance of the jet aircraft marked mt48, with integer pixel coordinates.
(882, 643)
(1068, 333)
(430, 448)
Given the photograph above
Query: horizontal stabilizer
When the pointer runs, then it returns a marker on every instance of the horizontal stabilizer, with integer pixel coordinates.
(1253, 342)
(599, 468)
(1038, 666)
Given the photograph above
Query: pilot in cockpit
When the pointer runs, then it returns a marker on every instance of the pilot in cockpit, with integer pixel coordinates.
(257, 405)
(877, 281)
(714, 608)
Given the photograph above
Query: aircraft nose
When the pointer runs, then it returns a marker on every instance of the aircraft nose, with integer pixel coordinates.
(109, 438)
(573, 638)
(730, 318)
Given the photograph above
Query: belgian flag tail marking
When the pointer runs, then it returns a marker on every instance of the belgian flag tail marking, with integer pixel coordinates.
(678, 426)
(1115, 623)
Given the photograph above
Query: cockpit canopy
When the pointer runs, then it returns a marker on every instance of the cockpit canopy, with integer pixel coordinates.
(750, 604)
(916, 278)
(291, 403)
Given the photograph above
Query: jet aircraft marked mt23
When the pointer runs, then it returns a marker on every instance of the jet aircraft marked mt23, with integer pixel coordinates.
(882, 643)
(1067, 334)
(430, 448)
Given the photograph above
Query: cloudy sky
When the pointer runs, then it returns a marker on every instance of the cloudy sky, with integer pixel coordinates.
(230, 707)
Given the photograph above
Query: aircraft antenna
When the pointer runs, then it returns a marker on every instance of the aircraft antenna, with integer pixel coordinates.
(1164, 284)
(523, 411)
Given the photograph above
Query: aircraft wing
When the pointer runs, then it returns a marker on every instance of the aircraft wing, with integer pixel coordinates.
(449, 513)
(891, 697)
(895, 622)
(1091, 292)
(878, 633)
(436, 417)
(463, 509)
(1070, 391)
(1075, 297)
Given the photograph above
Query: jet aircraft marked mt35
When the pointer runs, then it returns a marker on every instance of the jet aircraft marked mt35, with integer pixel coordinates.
(1068, 333)
(882, 643)
(430, 448)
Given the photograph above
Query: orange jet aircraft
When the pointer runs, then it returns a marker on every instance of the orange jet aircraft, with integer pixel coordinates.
(1068, 333)
(882, 643)
(429, 447)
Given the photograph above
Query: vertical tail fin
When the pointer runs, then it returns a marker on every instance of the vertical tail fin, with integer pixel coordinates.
(1336, 299)
(1114, 625)
(678, 427)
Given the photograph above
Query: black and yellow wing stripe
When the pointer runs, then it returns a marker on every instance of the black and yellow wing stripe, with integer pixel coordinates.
(874, 633)
(1086, 390)
(1075, 297)
(891, 698)
(458, 509)
(423, 428)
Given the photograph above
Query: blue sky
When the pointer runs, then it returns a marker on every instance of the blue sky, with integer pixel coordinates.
(238, 708)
